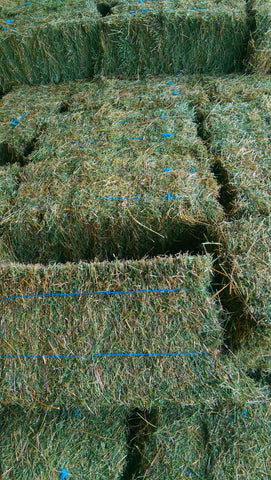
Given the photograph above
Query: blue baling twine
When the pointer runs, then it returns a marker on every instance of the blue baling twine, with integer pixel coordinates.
(64, 474)
(94, 293)
(104, 355)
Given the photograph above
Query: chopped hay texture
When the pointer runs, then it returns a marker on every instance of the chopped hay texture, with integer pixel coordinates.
(237, 129)
(177, 448)
(122, 174)
(174, 321)
(260, 44)
(240, 441)
(45, 443)
(9, 184)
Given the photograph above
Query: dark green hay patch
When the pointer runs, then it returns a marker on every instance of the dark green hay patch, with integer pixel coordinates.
(184, 321)
(39, 442)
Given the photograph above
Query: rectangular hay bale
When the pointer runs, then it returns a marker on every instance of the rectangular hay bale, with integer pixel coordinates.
(35, 331)
(237, 126)
(122, 174)
(48, 42)
(171, 37)
(229, 442)
(260, 44)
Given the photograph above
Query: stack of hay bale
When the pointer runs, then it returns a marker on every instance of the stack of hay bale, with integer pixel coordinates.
(121, 203)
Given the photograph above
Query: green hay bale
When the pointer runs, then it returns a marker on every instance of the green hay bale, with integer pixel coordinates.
(174, 40)
(62, 44)
(109, 198)
(230, 441)
(185, 321)
(177, 448)
(238, 132)
(245, 244)
(260, 44)
(240, 441)
(40, 442)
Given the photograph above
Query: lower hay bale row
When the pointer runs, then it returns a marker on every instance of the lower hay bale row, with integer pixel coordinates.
(245, 266)
(76, 42)
(180, 442)
(34, 331)
(121, 175)
(48, 443)
(229, 442)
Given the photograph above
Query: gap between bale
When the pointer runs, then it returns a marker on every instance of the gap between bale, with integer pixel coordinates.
(238, 321)
(8, 154)
(140, 426)
(227, 193)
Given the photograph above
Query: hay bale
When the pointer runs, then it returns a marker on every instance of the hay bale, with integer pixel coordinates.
(41, 442)
(48, 42)
(173, 37)
(260, 44)
(182, 321)
(177, 447)
(245, 246)
(193, 442)
(115, 176)
(246, 243)
(238, 131)
(51, 42)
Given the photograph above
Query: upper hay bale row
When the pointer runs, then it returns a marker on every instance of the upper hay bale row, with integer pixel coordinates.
(42, 443)
(76, 42)
(174, 40)
(237, 128)
(170, 321)
(121, 174)
(260, 44)
(48, 41)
